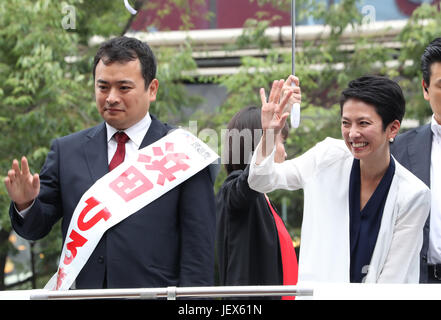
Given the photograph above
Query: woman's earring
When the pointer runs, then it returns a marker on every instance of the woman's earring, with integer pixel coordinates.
(391, 140)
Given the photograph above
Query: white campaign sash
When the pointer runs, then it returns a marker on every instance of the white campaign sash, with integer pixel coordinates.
(131, 186)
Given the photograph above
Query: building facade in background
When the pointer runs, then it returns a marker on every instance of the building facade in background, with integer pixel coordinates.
(233, 13)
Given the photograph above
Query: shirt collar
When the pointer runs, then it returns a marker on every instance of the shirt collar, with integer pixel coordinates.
(436, 128)
(136, 132)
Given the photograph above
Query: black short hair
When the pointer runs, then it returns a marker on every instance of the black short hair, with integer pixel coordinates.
(124, 49)
(382, 93)
(431, 54)
(245, 123)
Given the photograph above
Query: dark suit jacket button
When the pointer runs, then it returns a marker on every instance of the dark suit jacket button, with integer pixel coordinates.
(100, 259)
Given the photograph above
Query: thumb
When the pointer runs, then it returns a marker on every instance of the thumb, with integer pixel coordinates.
(36, 182)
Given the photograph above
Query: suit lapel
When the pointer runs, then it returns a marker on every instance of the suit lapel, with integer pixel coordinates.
(420, 149)
(96, 146)
(96, 152)
(156, 131)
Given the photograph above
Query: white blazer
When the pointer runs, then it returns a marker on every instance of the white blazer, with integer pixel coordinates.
(323, 173)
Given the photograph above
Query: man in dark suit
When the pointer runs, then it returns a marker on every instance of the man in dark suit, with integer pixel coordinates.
(169, 242)
(419, 150)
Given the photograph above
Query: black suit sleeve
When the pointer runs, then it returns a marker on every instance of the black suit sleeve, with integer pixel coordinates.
(197, 219)
(237, 192)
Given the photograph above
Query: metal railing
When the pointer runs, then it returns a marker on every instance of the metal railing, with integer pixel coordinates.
(315, 291)
(171, 293)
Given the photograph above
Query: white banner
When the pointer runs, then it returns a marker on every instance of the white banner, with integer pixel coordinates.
(131, 186)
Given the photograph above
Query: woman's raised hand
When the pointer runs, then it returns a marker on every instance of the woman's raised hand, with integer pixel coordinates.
(274, 109)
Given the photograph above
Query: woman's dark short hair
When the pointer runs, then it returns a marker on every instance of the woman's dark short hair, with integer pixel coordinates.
(243, 134)
(124, 49)
(382, 93)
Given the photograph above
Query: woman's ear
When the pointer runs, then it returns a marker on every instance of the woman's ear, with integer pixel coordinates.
(394, 128)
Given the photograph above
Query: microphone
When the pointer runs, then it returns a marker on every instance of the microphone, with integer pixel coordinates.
(295, 114)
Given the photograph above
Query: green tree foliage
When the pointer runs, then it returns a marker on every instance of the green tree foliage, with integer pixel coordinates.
(422, 28)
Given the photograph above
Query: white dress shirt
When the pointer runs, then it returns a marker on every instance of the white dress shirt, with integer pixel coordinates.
(136, 133)
(434, 252)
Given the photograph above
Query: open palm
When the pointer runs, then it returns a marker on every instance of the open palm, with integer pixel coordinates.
(22, 186)
(274, 113)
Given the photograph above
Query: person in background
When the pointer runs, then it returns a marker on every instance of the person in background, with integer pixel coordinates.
(419, 150)
(169, 242)
(253, 244)
(363, 211)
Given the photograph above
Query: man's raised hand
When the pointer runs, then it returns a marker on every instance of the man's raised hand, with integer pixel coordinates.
(22, 186)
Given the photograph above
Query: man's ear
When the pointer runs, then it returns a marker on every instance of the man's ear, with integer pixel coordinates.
(425, 90)
(153, 89)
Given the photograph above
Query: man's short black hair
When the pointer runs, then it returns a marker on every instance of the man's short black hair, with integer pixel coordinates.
(431, 54)
(382, 93)
(124, 49)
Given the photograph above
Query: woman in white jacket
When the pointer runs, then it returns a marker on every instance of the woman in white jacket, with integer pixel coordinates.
(363, 212)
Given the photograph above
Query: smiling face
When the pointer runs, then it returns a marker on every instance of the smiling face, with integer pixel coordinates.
(362, 130)
(120, 93)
